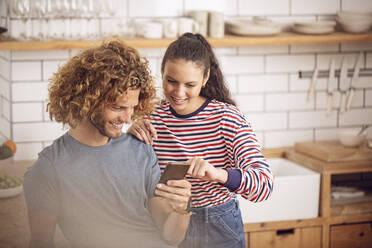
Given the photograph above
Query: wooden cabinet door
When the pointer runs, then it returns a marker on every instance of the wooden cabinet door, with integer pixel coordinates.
(290, 238)
(351, 235)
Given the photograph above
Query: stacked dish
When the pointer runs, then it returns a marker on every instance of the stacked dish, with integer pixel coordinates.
(315, 27)
(354, 22)
(257, 26)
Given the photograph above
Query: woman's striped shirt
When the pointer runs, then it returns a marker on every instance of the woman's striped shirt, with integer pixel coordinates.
(218, 133)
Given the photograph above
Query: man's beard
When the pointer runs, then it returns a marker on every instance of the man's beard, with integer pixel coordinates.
(99, 123)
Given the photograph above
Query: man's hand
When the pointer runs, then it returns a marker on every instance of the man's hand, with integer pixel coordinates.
(176, 192)
(168, 209)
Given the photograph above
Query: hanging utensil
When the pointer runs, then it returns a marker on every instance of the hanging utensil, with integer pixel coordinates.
(353, 81)
(311, 92)
(343, 84)
(364, 127)
(330, 87)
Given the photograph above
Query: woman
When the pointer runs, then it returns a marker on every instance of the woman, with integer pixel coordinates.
(199, 123)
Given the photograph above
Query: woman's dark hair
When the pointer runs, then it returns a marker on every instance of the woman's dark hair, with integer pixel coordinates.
(195, 48)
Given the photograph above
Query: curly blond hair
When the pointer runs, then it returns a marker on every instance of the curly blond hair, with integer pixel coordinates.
(96, 77)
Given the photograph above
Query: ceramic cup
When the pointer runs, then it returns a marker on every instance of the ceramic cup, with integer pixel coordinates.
(149, 29)
(201, 17)
(187, 25)
(216, 24)
(170, 27)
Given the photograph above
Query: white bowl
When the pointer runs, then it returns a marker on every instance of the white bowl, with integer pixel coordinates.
(4, 193)
(355, 26)
(348, 137)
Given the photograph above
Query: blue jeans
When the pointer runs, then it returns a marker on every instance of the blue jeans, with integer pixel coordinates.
(217, 227)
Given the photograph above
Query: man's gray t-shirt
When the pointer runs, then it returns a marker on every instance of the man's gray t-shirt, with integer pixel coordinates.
(100, 194)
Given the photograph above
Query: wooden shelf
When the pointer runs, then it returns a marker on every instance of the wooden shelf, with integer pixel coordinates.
(352, 208)
(228, 41)
(350, 219)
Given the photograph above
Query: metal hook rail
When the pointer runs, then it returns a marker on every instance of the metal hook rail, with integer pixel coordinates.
(367, 72)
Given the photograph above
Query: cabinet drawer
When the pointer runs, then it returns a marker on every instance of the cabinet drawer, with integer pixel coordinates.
(351, 235)
(309, 237)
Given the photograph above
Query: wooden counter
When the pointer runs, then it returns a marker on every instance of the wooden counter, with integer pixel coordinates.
(286, 38)
(335, 214)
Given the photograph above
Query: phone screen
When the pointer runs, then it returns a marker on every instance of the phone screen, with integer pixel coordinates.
(174, 171)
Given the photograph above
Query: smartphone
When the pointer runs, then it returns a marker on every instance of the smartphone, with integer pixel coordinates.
(174, 171)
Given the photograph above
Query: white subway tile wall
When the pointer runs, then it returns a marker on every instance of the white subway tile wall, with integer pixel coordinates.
(369, 59)
(286, 137)
(289, 63)
(250, 103)
(49, 67)
(27, 112)
(156, 8)
(4, 88)
(368, 100)
(5, 68)
(5, 110)
(355, 47)
(29, 150)
(268, 121)
(264, 7)
(356, 117)
(5, 95)
(29, 91)
(242, 64)
(40, 55)
(325, 134)
(226, 6)
(264, 80)
(315, 48)
(263, 50)
(263, 83)
(26, 71)
(357, 5)
(37, 131)
(286, 101)
(311, 119)
(314, 7)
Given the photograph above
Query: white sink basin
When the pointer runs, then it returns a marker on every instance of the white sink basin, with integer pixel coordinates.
(295, 195)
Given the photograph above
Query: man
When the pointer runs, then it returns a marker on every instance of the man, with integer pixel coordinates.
(97, 184)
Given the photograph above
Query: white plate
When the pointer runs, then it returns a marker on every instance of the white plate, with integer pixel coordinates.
(4, 193)
(316, 24)
(313, 30)
(250, 28)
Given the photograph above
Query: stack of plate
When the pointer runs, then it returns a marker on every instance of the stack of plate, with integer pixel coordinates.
(315, 27)
(256, 27)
